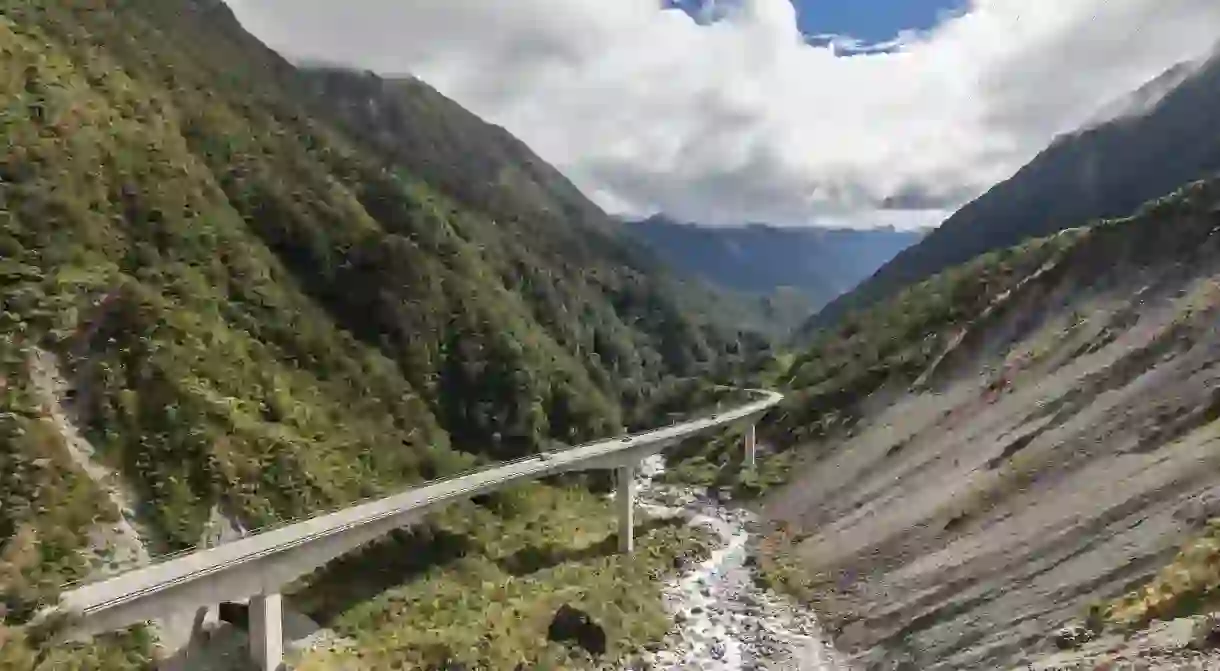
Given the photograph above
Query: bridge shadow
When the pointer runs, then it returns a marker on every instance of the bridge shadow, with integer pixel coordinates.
(534, 558)
(383, 565)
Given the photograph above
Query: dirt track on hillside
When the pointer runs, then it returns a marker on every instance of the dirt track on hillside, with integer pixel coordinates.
(959, 527)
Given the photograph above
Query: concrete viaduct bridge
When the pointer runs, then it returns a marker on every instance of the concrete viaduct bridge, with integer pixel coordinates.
(258, 566)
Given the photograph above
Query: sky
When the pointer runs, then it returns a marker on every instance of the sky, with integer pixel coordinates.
(829, 112)
(869, 21)
(872, 21)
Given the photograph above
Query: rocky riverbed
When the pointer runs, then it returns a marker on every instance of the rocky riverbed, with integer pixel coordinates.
(723, 620)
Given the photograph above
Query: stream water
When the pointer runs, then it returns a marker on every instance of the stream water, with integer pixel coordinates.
(725, 621)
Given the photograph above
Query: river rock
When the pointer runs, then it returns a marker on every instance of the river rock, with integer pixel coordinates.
(723, 612)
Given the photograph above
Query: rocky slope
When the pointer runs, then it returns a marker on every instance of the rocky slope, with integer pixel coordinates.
(1003, 447)
(1144, 148)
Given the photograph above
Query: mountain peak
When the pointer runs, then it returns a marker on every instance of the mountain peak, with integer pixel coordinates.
(1162, 137)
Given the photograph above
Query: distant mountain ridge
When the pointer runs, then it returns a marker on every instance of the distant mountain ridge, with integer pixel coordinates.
(809, 266)
(1163, 139)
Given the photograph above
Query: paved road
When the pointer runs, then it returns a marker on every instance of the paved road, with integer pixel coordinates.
(97, 597)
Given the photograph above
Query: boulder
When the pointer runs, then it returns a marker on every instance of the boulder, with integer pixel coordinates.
(575, 626)
(1072, 636)
(1198, 510)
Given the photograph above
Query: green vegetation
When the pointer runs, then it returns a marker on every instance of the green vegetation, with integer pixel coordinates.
(21, 651)
(1189, 584)
(779, 275)
(47, 509)
(265, 307)
(509, 567)
(47, 506)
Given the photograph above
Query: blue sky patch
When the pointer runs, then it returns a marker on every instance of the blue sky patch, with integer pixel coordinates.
(868, 21)
(872, 21)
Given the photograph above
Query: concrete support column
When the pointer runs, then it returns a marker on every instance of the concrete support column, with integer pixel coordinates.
(267, 631)
(626, 509)
(751, 446)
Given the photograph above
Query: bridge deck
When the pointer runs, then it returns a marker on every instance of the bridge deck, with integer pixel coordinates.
(145, 582)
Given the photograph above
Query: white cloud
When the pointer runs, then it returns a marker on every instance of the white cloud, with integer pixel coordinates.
(742, 119)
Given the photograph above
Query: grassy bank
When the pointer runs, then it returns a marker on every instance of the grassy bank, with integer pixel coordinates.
(495, 578)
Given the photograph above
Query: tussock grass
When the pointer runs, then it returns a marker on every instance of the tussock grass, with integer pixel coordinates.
(1185, 587)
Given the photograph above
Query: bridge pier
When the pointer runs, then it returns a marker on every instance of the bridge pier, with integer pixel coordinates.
(267, 631)
(751, 446)
(626, 509)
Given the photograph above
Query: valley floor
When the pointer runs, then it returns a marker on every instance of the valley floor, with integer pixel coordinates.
(725, 620)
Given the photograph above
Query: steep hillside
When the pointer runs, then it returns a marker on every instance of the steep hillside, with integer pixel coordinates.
(1009, 444)
(482, 165)
(1167, 139)
(792, 271)
(538, 219)
(267, 309)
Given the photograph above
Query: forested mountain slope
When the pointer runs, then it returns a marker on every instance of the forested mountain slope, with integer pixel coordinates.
(791, 271)
(535, 217)
(268, 307)
(1105, 170)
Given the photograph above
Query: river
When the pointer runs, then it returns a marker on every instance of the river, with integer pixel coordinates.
(726, 622)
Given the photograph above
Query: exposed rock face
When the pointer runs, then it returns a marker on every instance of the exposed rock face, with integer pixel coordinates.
(964, 527)
(574, 625)
(1184, 643)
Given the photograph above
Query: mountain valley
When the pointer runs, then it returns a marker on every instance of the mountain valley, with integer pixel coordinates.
(238, 292)
(789, 272)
